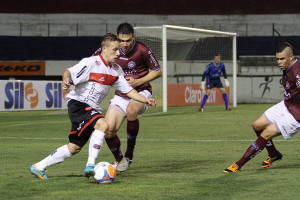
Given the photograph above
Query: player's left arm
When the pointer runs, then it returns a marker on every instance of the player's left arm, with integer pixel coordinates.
(148, 78)
(151, 63)
(225, 76)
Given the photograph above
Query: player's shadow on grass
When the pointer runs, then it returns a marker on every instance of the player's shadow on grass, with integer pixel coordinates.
(171, 166)
(67, 176)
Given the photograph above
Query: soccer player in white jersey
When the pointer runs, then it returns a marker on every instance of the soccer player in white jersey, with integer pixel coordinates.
(92, 77)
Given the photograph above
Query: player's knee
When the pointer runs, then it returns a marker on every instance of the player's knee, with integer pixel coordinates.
(102, 125)
(256, 125)
(110, 134)
(131, 112)
(74, 149)
(222, 90)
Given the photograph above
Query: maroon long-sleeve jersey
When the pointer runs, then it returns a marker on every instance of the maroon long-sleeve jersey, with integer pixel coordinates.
(291, 85)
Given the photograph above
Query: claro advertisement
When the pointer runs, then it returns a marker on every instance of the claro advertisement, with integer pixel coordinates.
(191, 94)
(32, 95)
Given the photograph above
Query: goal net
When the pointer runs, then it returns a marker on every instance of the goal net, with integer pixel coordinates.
(184, 53)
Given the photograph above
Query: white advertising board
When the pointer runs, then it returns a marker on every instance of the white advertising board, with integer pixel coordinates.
(31, 95)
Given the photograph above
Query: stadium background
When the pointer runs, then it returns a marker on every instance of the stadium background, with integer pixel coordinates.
(68, 30)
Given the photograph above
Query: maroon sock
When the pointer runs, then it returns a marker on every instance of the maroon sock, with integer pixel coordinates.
(114, 144)
(252, 151)
(132, 132)
(272, 151)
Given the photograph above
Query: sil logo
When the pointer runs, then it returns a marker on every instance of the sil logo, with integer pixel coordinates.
(17, 92)
(131, 65)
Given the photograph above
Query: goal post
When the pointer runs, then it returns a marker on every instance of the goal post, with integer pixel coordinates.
(188, 47)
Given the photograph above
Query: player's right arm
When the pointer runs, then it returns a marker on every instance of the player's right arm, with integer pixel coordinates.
(67, 81)
(133, 94)
(79, 73)
(206, 72)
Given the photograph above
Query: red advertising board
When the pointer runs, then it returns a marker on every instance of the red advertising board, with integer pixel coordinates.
(191, 94)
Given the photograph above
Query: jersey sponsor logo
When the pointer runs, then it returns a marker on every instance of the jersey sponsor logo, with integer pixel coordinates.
(81, 72)
(298, 81)
(16, 94)
(152, 58)
(287, 85)
(123, 58)
(104, 79)
(131, 64)
(22, 68)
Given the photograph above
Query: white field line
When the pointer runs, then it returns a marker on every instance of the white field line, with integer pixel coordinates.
(33, 123)
(147, 140)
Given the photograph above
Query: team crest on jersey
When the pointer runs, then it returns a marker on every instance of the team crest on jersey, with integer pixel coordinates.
(98, 62)
(131, 64)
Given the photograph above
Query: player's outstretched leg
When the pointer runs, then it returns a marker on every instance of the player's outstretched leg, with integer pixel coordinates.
(59, 155)
(251, 152)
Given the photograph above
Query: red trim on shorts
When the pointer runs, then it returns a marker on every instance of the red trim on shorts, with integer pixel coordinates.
(73, 132)
(89, 123)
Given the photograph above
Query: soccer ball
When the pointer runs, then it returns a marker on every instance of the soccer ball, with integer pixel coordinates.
(104, 172)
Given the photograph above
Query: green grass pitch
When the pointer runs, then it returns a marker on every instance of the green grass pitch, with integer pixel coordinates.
(179, 155)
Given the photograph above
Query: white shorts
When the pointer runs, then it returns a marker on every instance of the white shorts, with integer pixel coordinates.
(121, 103)
(282, 118)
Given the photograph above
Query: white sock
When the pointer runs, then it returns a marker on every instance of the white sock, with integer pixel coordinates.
(57, 156)
(95, 145)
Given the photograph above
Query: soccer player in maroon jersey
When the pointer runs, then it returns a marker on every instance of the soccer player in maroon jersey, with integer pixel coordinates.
(282, 118)
(140, 66)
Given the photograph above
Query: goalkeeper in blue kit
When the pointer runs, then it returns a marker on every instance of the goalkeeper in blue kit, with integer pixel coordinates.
(212, 75)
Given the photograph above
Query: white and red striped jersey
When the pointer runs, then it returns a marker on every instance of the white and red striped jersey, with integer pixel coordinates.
(93, 78)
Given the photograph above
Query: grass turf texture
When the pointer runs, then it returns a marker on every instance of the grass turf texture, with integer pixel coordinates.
(179, 155)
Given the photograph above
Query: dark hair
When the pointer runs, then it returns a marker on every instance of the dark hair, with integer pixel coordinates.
(109, 37)
(125, 28)
(282, 47)
(217, 54)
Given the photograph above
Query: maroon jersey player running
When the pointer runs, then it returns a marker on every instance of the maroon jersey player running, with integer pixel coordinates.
(140, 67)
(282, 118)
